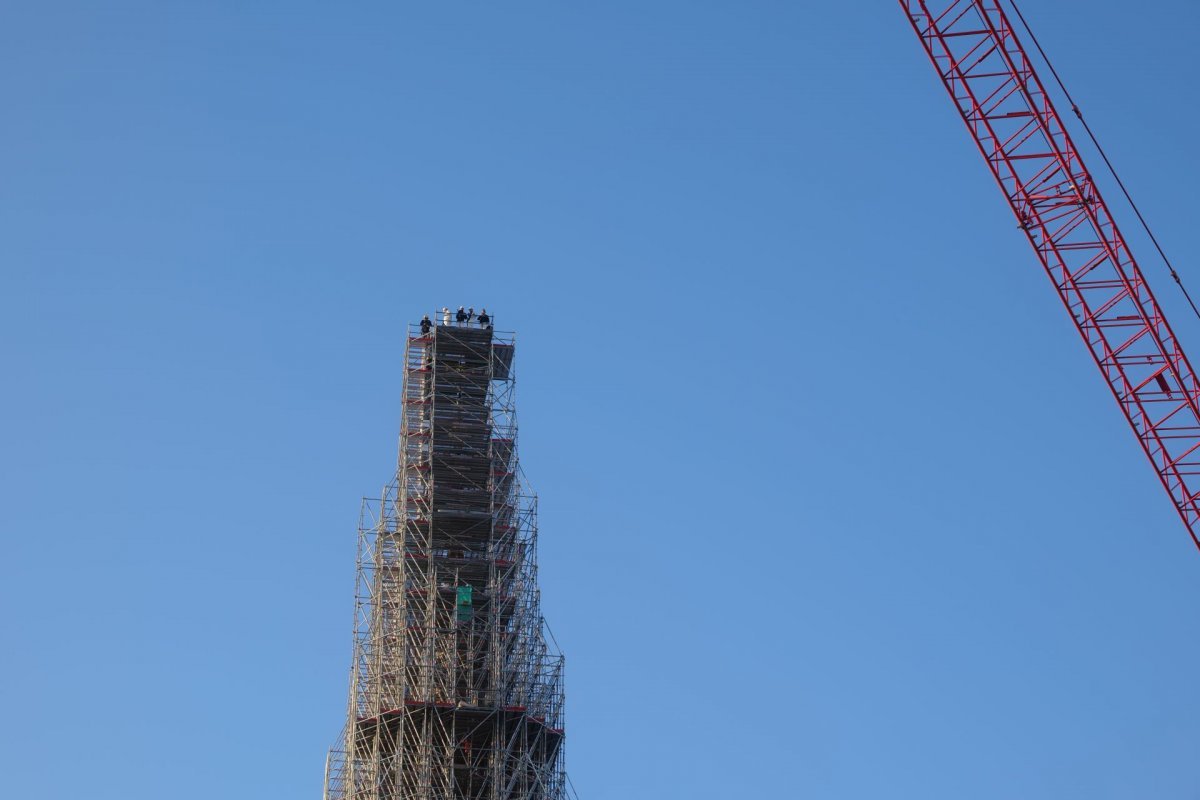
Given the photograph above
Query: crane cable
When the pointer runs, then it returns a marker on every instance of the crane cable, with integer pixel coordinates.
(1111, 169)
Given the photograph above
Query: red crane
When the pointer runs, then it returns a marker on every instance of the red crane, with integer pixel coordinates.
(1059, 207)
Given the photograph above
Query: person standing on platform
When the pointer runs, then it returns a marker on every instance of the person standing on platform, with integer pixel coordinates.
(445, 315)
(484, 320)
(461, 316)
(425, 325)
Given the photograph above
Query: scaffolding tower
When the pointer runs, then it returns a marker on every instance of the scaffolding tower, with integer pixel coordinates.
(455, 689)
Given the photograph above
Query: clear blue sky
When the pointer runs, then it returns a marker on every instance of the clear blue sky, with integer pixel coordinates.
(833, 502)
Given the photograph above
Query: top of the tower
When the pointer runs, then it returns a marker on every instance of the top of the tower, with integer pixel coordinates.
(462, 317)
(466, 327)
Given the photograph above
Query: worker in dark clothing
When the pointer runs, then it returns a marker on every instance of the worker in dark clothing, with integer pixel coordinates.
(426, 325)
(461, 316)
(484, 320)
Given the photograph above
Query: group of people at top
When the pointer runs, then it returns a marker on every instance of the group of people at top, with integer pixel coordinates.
(463, 316)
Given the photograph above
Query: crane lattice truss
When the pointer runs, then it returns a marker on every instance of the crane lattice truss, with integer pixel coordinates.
(1005, 105)
(455, 692)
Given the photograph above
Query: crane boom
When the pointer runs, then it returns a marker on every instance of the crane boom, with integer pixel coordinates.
(1059, 207)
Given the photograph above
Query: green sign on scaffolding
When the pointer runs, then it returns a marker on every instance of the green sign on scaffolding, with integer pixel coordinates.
(464, 603)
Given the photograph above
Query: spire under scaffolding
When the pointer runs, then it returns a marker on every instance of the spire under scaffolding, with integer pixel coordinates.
(454, 690)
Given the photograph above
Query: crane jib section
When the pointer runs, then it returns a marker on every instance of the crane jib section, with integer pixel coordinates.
(1057, 204)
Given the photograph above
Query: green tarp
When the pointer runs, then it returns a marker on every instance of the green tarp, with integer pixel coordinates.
(464, 603)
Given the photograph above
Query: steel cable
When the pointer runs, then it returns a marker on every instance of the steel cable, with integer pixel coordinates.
(1107, 163)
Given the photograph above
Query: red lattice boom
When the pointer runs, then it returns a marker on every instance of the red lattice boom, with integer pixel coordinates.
(1057, 204)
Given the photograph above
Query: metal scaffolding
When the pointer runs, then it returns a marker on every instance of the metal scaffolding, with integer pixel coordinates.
(455, 690)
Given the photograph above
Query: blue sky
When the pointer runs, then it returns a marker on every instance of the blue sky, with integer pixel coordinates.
(833, 504)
